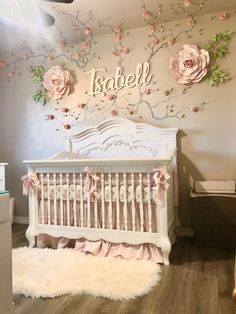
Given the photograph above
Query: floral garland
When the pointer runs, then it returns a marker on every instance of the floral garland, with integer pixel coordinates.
(192, 63)
(55, 83)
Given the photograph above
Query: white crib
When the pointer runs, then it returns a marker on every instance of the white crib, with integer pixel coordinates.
(109, 191)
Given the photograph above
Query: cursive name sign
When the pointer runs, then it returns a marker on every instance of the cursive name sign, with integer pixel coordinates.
(99, 84)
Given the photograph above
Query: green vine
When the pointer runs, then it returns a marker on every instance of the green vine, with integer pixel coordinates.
(37, 76)
(218, 47)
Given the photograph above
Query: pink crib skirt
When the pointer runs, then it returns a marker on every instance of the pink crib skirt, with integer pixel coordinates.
(103, 248)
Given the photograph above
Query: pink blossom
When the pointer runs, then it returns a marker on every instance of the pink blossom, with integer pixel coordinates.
(115, 53)
(194, 109)
(49, 58)
(187, 3)
(191, 22)
(126, 50)
(10, 75)
(87, 30)
(147, 91)
(118, 38)
(154, 42)
(190, 64)
(62, 44)
(117, 29)
(110, 97)
(84, 45)
(223, 16)
(50, 117)
(64, 109)
(146, 14)
(57, 82)
(152, 28)
(67, 126)
(114, 113)
(2, 64)
(171, 41)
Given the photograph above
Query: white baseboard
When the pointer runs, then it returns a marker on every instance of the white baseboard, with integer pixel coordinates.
(185, 232)
(21, 220)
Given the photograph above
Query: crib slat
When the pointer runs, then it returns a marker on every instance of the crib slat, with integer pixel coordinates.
(141, 200)
(117, 202)
(133, 201)
(95, 207)
(55, 198)
(68, 198)
(74, 201)
(81, 200)
(110, 200)
(149, 204)
(49, 204)
(42, 198)
(61, 198)
(88, 210)
(103, 200)
(125, 201)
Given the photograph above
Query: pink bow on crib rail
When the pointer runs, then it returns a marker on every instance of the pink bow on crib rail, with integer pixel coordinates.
(160, 178)
(30, 182)
(90, 181)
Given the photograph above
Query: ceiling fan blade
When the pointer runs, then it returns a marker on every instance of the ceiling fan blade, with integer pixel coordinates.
(60, 1)
(46, 19)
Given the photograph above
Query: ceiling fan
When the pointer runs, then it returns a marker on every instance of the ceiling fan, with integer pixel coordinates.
(30, 11)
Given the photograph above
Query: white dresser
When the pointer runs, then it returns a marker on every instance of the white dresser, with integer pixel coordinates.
(6, 306)
(2, 176)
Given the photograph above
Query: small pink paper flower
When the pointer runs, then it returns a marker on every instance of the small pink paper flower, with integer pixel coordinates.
(190, 64)
(191, 22)
(154, 43)
(223, 16)
(10, 75)
(126, 50)
(117, 29)
(194, 109)
(62, 44)
(114, 113)
(2, 64)
(67, 126)
(64, 109)
(57, 82)
(152, 28)
(187, 3)
(87, 30)
(50, 117)
(146, 14)
(118, 38)
(115, 53)
(147, 91)
(171, 41)
(49, 58)
(84, 45)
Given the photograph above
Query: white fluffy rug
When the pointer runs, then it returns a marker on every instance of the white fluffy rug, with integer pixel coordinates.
(51, 273)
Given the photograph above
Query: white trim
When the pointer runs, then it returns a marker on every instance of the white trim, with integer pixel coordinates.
(21, 220)
(185, 232)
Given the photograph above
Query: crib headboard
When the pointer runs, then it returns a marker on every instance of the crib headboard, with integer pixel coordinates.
(122, 138)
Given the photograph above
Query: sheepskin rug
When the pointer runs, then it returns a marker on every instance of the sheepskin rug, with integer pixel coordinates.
(49, 273)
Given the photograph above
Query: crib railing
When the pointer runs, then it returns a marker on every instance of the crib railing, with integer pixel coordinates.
(105, 200)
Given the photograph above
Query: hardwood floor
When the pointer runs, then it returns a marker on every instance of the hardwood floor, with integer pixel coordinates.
(198, 281)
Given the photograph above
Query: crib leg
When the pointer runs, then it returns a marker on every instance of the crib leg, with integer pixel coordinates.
(30, 237)
(166, 248)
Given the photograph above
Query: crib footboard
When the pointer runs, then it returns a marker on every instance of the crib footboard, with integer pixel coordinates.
(121, 201)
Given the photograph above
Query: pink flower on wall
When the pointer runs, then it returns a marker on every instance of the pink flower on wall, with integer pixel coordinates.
(87, 30)
(223, 16)
(190, 64)
(146, 14)
(2, 64)
(187, 3)
(57, 82)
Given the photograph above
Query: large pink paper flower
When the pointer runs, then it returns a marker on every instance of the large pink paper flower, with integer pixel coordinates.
(57, 82)
(190, 64)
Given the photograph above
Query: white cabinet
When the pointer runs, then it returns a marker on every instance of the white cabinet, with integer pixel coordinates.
(6, 306)
(2, 176)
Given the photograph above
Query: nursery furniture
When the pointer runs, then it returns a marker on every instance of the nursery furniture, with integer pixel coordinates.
(120, 189)
(5, 260)
(2, 176)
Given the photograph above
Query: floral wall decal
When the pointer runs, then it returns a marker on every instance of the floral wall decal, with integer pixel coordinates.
(55, 83)
(190, 64)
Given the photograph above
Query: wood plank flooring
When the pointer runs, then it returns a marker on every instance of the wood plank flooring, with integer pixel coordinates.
(198, 281)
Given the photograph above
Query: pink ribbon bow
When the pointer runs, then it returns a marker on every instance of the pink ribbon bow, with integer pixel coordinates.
(160, 178)
(90, 181)
(30, 182)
